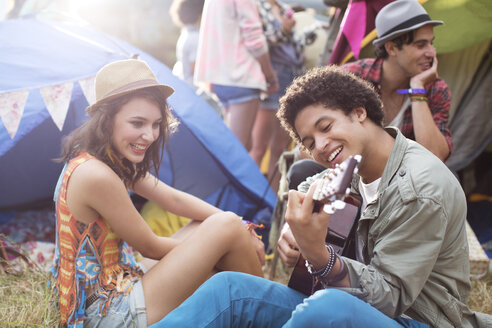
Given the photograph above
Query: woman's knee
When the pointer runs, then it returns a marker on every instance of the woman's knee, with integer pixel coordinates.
(226, 223)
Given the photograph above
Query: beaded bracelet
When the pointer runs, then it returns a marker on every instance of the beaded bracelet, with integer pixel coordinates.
(341, 273)
(323, 272)
(339, 276)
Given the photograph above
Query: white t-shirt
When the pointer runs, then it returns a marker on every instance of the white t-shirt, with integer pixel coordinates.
(398, 119)
(186, 50)
(369, 193)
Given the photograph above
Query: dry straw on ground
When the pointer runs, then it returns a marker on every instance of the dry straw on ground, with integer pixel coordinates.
(27, 301)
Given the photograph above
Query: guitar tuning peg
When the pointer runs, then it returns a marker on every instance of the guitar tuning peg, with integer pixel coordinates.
(338, 204)
(328, 209)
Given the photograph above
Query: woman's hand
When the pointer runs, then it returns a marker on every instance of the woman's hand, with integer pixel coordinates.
(260, 249)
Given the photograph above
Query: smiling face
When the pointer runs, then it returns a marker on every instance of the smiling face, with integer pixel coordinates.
(135, 127)
(329, 134)
(417, 56)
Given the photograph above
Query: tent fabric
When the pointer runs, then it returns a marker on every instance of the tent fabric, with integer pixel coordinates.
(458, 69)
(466, 22)
(203, 158)
(471, 126)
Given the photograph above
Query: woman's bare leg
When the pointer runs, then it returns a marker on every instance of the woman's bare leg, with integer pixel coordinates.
(279, 143)
(240, 119)
(262, 133)
(220, 242)
(181, 234)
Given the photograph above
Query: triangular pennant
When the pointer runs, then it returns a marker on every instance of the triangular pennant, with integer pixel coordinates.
(57, 99)
(89, 89)
(354, 25)
(11, 108)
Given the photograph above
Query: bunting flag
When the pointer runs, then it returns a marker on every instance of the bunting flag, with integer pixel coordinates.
(57, 100)
(89, 89)
(11, 109)
(354, 25)
(354, 28)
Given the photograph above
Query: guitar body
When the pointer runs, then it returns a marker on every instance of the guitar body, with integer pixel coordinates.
(341, 234)
(332, 195)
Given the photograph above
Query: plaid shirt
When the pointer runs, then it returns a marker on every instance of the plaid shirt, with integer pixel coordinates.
(438, 95)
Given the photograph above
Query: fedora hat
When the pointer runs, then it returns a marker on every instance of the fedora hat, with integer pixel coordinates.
(399, 17)
(124, 76)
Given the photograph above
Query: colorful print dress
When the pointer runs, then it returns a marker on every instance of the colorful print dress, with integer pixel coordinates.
(89, 258)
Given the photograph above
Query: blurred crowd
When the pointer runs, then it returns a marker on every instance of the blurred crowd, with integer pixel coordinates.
(256, 54)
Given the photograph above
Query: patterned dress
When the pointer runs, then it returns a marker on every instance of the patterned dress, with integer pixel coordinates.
(89, 258)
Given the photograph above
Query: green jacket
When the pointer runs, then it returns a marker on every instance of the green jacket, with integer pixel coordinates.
(414, 242)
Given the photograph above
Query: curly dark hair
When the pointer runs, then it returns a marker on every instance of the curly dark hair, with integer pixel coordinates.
(185, 12)
(331, 87)
(399, 41)
(94, 137)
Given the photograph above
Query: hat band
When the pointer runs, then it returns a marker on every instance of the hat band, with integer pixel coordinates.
(408, 23)
(131, 86)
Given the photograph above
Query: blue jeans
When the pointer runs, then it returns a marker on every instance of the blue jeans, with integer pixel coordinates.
(229, 95)
(125, 311)
(285, 75)
(232, 299)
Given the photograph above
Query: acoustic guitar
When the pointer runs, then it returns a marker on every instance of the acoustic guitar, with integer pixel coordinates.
(332, 195)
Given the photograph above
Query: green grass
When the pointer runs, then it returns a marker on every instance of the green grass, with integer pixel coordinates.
(26, 300)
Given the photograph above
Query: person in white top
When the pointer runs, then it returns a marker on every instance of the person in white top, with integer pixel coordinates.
(233, 58)
(186, 14)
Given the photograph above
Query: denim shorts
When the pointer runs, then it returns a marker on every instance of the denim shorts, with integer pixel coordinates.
(285, 75)
(229, 95)
(124, 311)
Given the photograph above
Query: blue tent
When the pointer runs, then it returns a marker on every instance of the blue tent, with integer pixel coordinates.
(203, 157)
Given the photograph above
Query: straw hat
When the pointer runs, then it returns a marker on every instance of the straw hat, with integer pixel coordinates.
(124, 76)
(399, 17)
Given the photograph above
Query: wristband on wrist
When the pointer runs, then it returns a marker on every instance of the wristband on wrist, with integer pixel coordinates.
(341, 273)
(250, 226)
(410, 91)
(418, 97)
(323, 272)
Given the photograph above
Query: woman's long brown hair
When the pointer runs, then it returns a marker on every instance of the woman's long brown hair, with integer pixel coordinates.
(94, 137)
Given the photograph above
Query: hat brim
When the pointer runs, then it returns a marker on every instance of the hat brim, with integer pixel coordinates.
(165, 90)
(380, 41)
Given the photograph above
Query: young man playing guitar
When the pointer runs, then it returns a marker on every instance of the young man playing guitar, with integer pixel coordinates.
(412, 267)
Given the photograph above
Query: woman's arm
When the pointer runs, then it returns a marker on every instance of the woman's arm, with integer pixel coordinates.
(183, 204)
(174, 200)
(96, 191)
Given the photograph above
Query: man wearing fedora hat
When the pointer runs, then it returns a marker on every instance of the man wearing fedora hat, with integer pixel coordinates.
(405, 75)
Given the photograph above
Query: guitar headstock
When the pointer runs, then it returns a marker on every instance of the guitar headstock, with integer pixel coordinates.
(336, 184)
